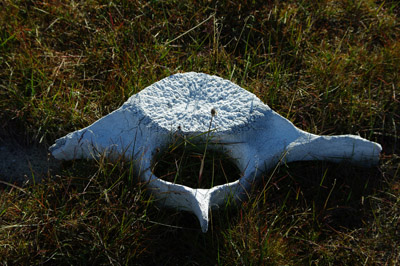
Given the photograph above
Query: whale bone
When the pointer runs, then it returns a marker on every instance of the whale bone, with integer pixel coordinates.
(255, 136)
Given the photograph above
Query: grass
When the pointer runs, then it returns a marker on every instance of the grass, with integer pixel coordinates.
(331, 67)
(195, 164)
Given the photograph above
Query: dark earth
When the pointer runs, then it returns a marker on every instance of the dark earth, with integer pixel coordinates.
(21, 163)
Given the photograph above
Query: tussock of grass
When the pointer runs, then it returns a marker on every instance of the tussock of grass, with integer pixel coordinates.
(331, 67)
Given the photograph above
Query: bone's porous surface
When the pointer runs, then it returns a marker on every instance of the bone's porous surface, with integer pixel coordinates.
(186, 101)
(255, 136)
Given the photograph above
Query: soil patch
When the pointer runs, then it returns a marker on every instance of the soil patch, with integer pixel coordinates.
(21, 163)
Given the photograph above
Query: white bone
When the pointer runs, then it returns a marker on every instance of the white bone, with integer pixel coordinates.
(254, 135)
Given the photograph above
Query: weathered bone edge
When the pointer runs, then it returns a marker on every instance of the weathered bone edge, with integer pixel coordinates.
(255, 136)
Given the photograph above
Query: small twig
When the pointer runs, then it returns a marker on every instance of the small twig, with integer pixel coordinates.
(195, 27)
(213, 113)
(14, 186)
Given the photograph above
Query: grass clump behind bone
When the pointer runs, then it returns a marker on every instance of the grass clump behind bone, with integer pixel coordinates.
(182, 162)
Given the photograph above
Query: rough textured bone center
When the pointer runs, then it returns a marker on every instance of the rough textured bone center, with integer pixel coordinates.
(186, 100)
